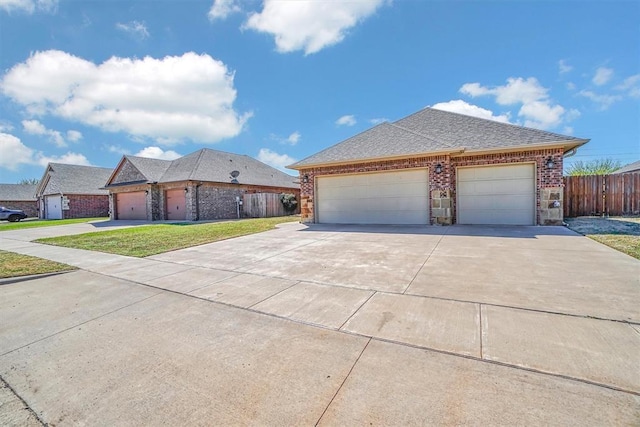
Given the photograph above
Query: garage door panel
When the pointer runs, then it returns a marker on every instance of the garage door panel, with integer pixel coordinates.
(398, 197)
(496, 195)
(131, 205)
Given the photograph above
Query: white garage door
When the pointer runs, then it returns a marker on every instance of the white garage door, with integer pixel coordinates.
(497, 195)
(54, 207)
(131, 205)
(374, 198)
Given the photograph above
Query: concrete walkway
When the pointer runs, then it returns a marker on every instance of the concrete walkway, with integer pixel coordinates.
(387, 311)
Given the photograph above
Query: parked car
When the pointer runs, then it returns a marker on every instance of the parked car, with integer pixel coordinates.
(11, 215)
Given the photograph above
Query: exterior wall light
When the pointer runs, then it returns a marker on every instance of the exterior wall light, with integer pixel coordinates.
(550, 164)
(438, 168)
(186, 189)
(146, 192)
(305, 178)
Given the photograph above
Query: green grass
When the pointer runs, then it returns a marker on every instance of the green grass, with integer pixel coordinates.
(628, 244)
(156, 239)
(15, 265)
(6, 226)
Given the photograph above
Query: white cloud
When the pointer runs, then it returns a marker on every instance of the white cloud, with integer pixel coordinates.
(278, 161)
(378, 120)
(29, 6)
(571, 86)
(537, 109)
(293, 138)
(221, 9)
(310, 25)
(462, 107)
(602, 76)
(631, 85)
(13, 154)
(564, 67)
(347, 120)
(604, 101)
(5, 126)
(568, 130)
(136, 29)
(34, 127)
(74, 135)
(158, 153)
(169, 99)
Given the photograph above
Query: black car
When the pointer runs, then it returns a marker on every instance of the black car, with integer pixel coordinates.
(11, 215)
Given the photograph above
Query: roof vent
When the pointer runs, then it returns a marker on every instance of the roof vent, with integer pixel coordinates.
(234, 177)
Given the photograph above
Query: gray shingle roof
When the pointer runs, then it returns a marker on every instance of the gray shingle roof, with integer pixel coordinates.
(213, 166)
(73, 179)
(18, 192)
(152, 169)
(432, 131)
(631, 167)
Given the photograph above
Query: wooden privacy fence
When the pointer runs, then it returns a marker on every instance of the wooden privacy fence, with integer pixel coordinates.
(263, 205)
(617, 194)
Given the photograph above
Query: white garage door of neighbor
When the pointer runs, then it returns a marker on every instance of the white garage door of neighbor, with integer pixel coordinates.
(131, 205)
(497, 195)
(54, 207)
(398, 197)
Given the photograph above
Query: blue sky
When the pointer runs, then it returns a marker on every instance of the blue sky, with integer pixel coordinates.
(86, 82)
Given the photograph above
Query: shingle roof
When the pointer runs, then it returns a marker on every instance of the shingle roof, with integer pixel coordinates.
(631, 167)
(152, 169)
(432, 131)
(73, 179)
(212, 166)
(18, 192)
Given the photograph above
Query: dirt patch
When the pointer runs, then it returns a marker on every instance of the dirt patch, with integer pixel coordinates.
(597, 225)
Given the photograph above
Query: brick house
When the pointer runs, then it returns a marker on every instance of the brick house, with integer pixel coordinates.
(438, 167)
(203, 185)
(73, 191)
(19, 196)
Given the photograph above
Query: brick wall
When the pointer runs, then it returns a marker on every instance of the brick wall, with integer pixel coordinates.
(86, 206)
(29, 207)
(446, 180)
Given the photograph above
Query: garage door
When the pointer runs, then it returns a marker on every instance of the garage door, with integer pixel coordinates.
(175, 201)
(374, 198)
(497, 195)
(54, 207)
(131, 205)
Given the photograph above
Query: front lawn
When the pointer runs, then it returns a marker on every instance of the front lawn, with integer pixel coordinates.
(620, 233)
(15, 265)
(6, 226)
(156, 239)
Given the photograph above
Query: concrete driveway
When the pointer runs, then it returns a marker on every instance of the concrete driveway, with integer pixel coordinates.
(331, 325)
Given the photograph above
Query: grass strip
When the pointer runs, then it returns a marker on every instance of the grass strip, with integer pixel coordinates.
(160, 238)
(16, 265)
(627, 244)
(6, 226)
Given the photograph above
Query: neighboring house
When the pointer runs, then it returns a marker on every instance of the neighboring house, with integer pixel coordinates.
(203, 185)
(630, 168)
(19, 196)
(73, 191)
(437, 167)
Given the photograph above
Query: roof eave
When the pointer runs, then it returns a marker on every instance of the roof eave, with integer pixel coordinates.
(448, 151)
(566, 145)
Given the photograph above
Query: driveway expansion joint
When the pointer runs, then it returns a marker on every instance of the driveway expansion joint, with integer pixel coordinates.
(425, 262)
(343, 381)
(24, 402)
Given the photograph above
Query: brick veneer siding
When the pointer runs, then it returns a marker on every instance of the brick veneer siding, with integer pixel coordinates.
(204, 201)
(30, 207)
(446, 180)
(86, 206)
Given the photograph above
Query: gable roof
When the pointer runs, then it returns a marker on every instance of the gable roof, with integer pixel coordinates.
(73, 179)
(210, 166)
(18, 192)
(431, 131)
(631, 167)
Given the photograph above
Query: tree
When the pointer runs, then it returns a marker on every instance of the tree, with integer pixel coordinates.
(30, 181)
(593, 167)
